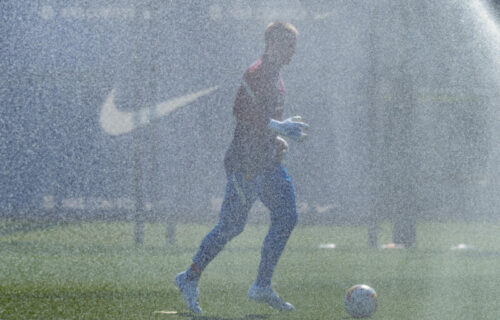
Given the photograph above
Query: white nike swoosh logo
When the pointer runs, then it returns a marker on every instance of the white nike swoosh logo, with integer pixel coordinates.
(116, 122)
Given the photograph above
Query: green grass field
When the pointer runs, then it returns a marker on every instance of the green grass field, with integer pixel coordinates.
(95, 271)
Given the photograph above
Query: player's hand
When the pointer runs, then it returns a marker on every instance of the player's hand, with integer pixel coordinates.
(292, 127)
(281, 148)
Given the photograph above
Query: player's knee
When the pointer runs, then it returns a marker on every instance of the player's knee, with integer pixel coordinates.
(228, 232)
(235, 230)
(288, 220)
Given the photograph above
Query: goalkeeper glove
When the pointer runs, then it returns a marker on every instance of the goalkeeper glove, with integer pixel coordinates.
(291, 127)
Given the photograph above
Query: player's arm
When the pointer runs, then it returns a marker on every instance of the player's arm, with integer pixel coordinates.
(249, 107)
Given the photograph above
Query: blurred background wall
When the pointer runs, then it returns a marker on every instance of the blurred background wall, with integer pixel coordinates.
(402, 98)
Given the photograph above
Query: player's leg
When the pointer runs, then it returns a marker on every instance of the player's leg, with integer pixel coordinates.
(239, 197)
(278, 194)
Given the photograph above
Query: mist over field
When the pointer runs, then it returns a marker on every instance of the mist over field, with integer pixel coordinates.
(112, 109)
(115, 116)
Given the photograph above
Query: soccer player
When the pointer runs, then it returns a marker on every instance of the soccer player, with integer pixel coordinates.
(254, 170)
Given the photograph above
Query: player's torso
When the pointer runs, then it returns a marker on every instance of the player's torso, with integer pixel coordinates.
(268, 88)
(253, 145)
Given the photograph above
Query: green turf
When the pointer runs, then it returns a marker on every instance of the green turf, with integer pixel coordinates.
(95, 271)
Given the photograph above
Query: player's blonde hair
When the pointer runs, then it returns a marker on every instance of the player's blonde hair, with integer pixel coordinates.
(278, 31)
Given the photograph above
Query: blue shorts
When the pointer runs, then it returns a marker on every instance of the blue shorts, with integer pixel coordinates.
(274, 188)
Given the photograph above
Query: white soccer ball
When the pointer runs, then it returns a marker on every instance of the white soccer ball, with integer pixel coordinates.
(361, 301)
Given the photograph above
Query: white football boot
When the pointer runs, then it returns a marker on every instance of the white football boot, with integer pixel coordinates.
(190, 291)
(269, 296)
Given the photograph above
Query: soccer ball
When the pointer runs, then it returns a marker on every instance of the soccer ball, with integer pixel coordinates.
(361, 301)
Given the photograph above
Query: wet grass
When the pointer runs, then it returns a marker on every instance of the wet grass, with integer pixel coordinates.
(95, 271)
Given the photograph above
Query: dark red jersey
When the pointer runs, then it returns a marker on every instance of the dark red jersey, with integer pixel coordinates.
(259, 98)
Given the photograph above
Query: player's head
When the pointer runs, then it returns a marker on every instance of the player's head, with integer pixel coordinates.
(280, 39)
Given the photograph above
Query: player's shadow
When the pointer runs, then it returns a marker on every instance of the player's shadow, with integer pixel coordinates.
(247, 317)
